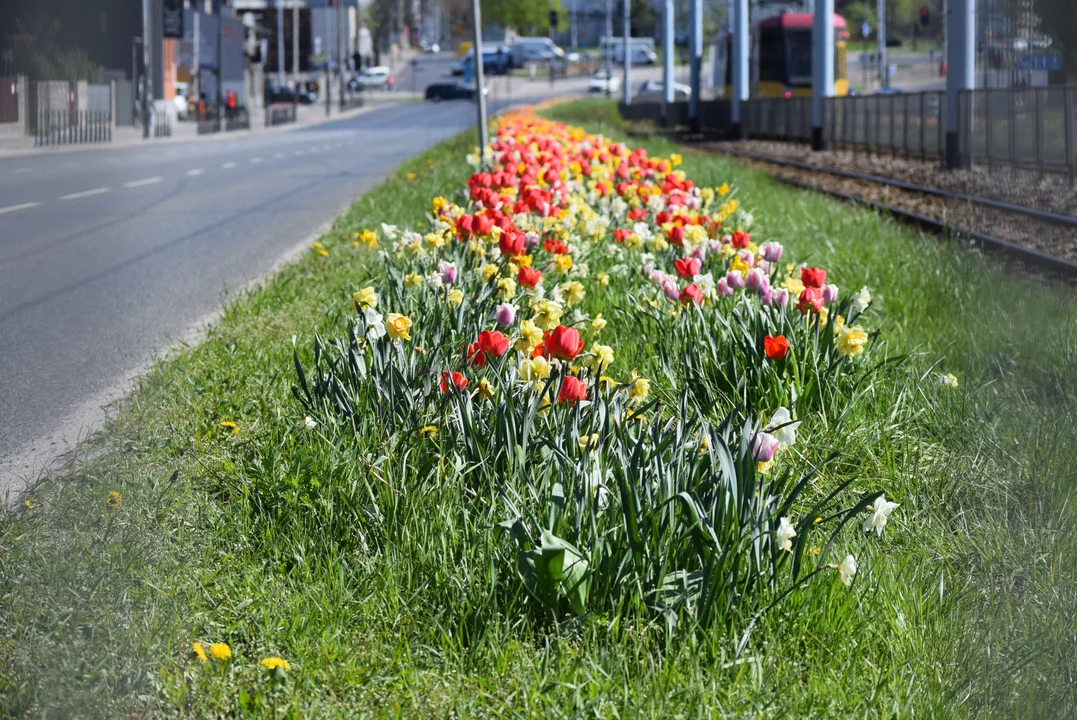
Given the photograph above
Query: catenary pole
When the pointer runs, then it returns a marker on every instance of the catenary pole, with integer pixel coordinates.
(880, 42)
(696, 62)
(280, 43)
(627, 89)
(480, 85)
(822, 85)
(960, 71)
(608, 46)
(667, 58)
(740, 66)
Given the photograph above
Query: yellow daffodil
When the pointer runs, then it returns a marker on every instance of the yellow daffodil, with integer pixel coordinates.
(602, 357)
(488, 272)
(598, 324)
(603, 279)
(456, 296)
(563, 263)
(398, 326)
(412, 280)
(530, 336)
(572, 292)
(851, 341)
(639, 389)
(546, 314)
(366, 298)
(506, 288)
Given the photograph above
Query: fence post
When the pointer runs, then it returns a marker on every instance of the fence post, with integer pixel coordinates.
(923, 125)
(1039, 129)
(905, 126)
(1011, 143)
(1067, 123)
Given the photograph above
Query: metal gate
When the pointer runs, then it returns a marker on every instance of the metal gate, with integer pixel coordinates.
(9, 99)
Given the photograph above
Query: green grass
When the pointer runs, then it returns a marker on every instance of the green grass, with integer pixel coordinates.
(965, 608)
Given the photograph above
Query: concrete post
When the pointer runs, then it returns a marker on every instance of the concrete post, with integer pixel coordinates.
(280, 43)
(480, 84)
(960, 71)
(295, 40)
(880, 42)
(740, 65)
(627, 89)
(822, 67)
(667, 58)
(696, 62)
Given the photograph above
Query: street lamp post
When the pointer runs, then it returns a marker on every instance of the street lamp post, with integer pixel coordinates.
(480, 85)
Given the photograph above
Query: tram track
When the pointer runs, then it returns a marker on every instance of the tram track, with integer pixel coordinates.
(1042, 240)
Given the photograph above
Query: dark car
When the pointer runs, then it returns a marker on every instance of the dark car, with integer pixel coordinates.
(281, 95)
(449, 91)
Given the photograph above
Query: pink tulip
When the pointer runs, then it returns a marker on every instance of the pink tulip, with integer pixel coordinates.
(734, 279)
(830, 293)
(764, 447)
(771, 251)
(505, 315)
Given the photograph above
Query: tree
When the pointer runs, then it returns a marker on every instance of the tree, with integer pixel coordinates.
(38, 53)
(528, 17)
(1057, 20)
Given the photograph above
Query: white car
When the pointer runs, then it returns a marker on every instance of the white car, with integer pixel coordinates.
(652, 91)
(600, 82)
(373, 78)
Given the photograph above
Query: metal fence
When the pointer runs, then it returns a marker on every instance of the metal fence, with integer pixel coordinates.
(1021, 127)
(280, 114)
(906, 124)
(69, 127)
(778, 118)
(233, 120)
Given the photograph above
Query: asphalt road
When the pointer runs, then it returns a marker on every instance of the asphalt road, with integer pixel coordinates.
(108, 256)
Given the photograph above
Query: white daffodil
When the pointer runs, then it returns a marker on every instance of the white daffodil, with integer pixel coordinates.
(882, 510)
(787, 436)
(643, 231)
(705, 282)
(846, 570)
(602, 493)
(375, 324)
(786, 533)
(389, 232)
(862, 299)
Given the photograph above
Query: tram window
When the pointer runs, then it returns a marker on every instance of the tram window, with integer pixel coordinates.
(771, 57)
(799, 44)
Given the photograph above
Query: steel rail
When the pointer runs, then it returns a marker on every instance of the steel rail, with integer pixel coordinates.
(1041, 215)
(1034, 258)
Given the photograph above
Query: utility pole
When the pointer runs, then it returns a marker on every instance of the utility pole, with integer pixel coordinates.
(696, 63)
(822, 84)
(146, 40)
(280, 43)
(667, 59)
(553, 28)
(295, 39)
(609, 47)
(220, 62)
(340, 52)
(960, 72)
(627, 89)
(480, 85)
(880, 42)
(740, 66)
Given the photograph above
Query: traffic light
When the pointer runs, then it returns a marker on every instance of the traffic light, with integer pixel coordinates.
(553, 18)
(925, 16)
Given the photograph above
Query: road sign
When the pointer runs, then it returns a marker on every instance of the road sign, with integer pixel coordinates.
(1041, 62)
(172, 12)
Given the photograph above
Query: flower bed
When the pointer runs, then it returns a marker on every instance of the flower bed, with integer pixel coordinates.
(651, 470)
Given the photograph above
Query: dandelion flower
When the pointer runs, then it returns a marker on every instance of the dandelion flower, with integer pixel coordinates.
(220, 651)
(229, 425)
(947, 379)
(272, 663)
(28, 503)
(198, 651)
(430, 431)
(114, 500)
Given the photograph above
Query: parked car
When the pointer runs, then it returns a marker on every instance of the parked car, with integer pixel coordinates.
(281, 94)
(374, 78)
(652, 91)
(601, 82)
(495, 61)
(534, 50)
(451, 91)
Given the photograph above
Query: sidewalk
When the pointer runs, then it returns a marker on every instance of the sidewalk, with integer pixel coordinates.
(187, 131)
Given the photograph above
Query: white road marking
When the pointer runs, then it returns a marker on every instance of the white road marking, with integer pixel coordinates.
(144, 181)
(228, 165)
(86, 193)
(279, 156)
(13, 208)
(299, 152)
(256, 160)
(22, 170)
(195, 171)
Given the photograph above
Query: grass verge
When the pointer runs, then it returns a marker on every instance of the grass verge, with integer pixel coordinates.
(967, 608)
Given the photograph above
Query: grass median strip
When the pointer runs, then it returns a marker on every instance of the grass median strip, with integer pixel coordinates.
(235, 523)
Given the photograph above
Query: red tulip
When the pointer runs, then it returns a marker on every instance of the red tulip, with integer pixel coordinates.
(813, 277)
(564, 342)
(511, 243)
(741, 239)
(453, 379)
(776, 348)
(465, 224)
(492, 342)
(688, 267)
(811, 300)
(676, 235)
(529, 277)
(483, 225)
(572, 389)
(475, 355)
(691, 293)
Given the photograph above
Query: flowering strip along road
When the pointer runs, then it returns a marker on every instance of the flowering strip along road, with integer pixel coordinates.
(654, 474)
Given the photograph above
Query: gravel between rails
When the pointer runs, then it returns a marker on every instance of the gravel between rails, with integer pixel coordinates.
(1027, 232)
